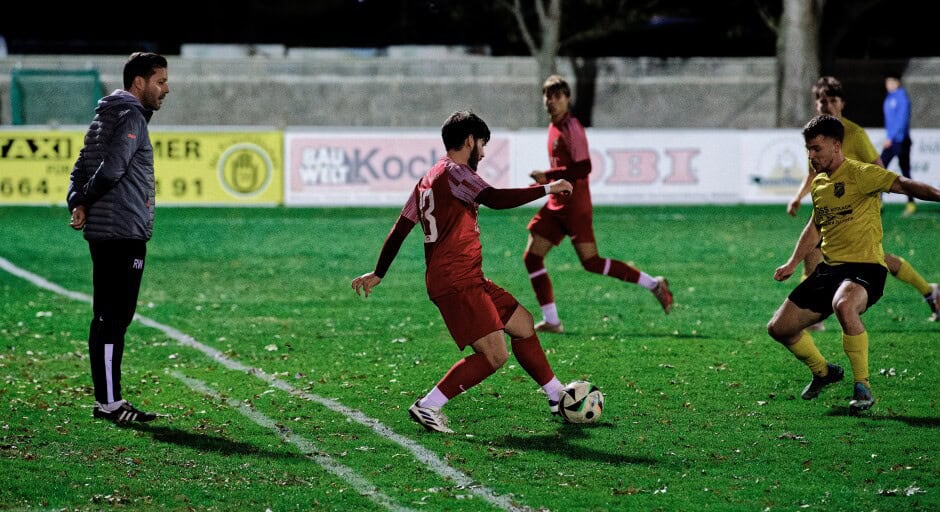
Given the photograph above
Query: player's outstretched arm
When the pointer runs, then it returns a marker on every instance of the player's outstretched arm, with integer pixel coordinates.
(915, 188)
(576, 171)
(504, 198)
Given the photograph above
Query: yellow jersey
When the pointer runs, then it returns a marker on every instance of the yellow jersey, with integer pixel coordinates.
(856, 144)
(847, 210)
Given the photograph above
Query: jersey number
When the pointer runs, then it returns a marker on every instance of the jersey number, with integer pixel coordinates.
(428, 222)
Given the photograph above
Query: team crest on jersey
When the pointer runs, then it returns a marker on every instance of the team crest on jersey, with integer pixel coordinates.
(839, 189)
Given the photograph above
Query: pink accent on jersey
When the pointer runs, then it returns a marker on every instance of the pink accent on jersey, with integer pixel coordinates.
(567, 145)
(443, 203)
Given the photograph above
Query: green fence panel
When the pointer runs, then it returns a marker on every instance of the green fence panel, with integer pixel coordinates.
(54, 96)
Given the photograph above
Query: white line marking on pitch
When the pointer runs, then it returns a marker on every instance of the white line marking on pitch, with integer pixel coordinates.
(362, 485)
(421, 453)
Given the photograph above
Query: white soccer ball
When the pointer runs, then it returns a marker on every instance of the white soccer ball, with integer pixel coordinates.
(581, 402)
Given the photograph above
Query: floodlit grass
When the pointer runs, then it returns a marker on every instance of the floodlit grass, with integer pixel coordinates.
(702, 407)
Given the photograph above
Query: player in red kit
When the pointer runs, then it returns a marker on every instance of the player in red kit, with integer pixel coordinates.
(477, 312)
(572, 216)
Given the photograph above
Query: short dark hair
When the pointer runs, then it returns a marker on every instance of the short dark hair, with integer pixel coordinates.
(828, 86)
(143, 64)
(460, 125)
(556, 83)
(825, 125)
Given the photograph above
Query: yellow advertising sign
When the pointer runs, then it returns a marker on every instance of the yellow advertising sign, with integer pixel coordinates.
(192, 167)
(218, 168)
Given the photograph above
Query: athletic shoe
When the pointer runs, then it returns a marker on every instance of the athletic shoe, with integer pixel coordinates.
(817, 327)
(662, 294)
(544, 326)
(553, 406)
(933, 300)
(124, 414)
(816, 385)
(862, 400)
(909, 209)
(431, 418)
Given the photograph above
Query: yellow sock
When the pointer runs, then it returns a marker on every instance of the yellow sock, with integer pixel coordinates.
(856, 347)
(912, 277)
(805, 350)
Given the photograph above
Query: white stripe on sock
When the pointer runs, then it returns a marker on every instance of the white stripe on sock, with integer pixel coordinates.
(537, 273)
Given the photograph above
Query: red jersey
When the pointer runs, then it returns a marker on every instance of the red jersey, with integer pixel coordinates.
(567, 144)
(443, 202)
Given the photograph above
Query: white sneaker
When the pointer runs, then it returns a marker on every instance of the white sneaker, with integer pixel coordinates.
(430, 418)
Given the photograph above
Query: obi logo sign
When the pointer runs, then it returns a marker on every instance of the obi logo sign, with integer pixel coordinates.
(245, 170)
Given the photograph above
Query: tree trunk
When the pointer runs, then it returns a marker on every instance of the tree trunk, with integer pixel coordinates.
(797, 60)
(585, 74)
(545, 51)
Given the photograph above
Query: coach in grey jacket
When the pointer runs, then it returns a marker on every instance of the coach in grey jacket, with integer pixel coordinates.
(111, 198)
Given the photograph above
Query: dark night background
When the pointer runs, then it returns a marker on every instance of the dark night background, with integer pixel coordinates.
(889, 29)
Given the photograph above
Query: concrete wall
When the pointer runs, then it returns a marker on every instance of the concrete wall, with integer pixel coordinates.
(397, 92)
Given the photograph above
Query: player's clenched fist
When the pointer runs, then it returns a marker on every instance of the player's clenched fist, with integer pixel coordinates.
(560, 187)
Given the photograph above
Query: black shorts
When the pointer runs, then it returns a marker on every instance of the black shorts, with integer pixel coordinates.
(816, 291)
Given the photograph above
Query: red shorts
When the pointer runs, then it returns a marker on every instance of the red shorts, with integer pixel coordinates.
(554, 225)
(475, 311)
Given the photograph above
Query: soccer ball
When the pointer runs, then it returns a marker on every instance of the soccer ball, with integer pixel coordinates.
(581, 402)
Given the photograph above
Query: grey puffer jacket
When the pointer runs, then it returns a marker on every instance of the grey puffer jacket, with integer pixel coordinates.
(113, 176)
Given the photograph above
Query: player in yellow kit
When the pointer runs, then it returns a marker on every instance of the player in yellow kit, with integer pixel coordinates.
(856, 145)
(847, 221)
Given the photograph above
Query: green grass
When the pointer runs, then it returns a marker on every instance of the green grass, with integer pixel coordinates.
(702, 408)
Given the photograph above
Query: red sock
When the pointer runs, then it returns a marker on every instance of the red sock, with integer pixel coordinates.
(539, 277)
(465, 374)
(613, 268)
(529, 353)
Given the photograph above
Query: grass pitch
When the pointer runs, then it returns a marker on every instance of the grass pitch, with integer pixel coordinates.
(283, 390)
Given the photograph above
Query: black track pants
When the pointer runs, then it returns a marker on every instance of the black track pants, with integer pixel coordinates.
(118, 267)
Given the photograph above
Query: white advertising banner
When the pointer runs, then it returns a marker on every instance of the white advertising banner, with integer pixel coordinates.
(362, 167)
(663, 166)
(629, 167)
(772, 166)
(366, 168)
(774, 163)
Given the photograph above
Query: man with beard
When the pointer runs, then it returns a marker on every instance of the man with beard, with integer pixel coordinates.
(477, 312)
(111, 198)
